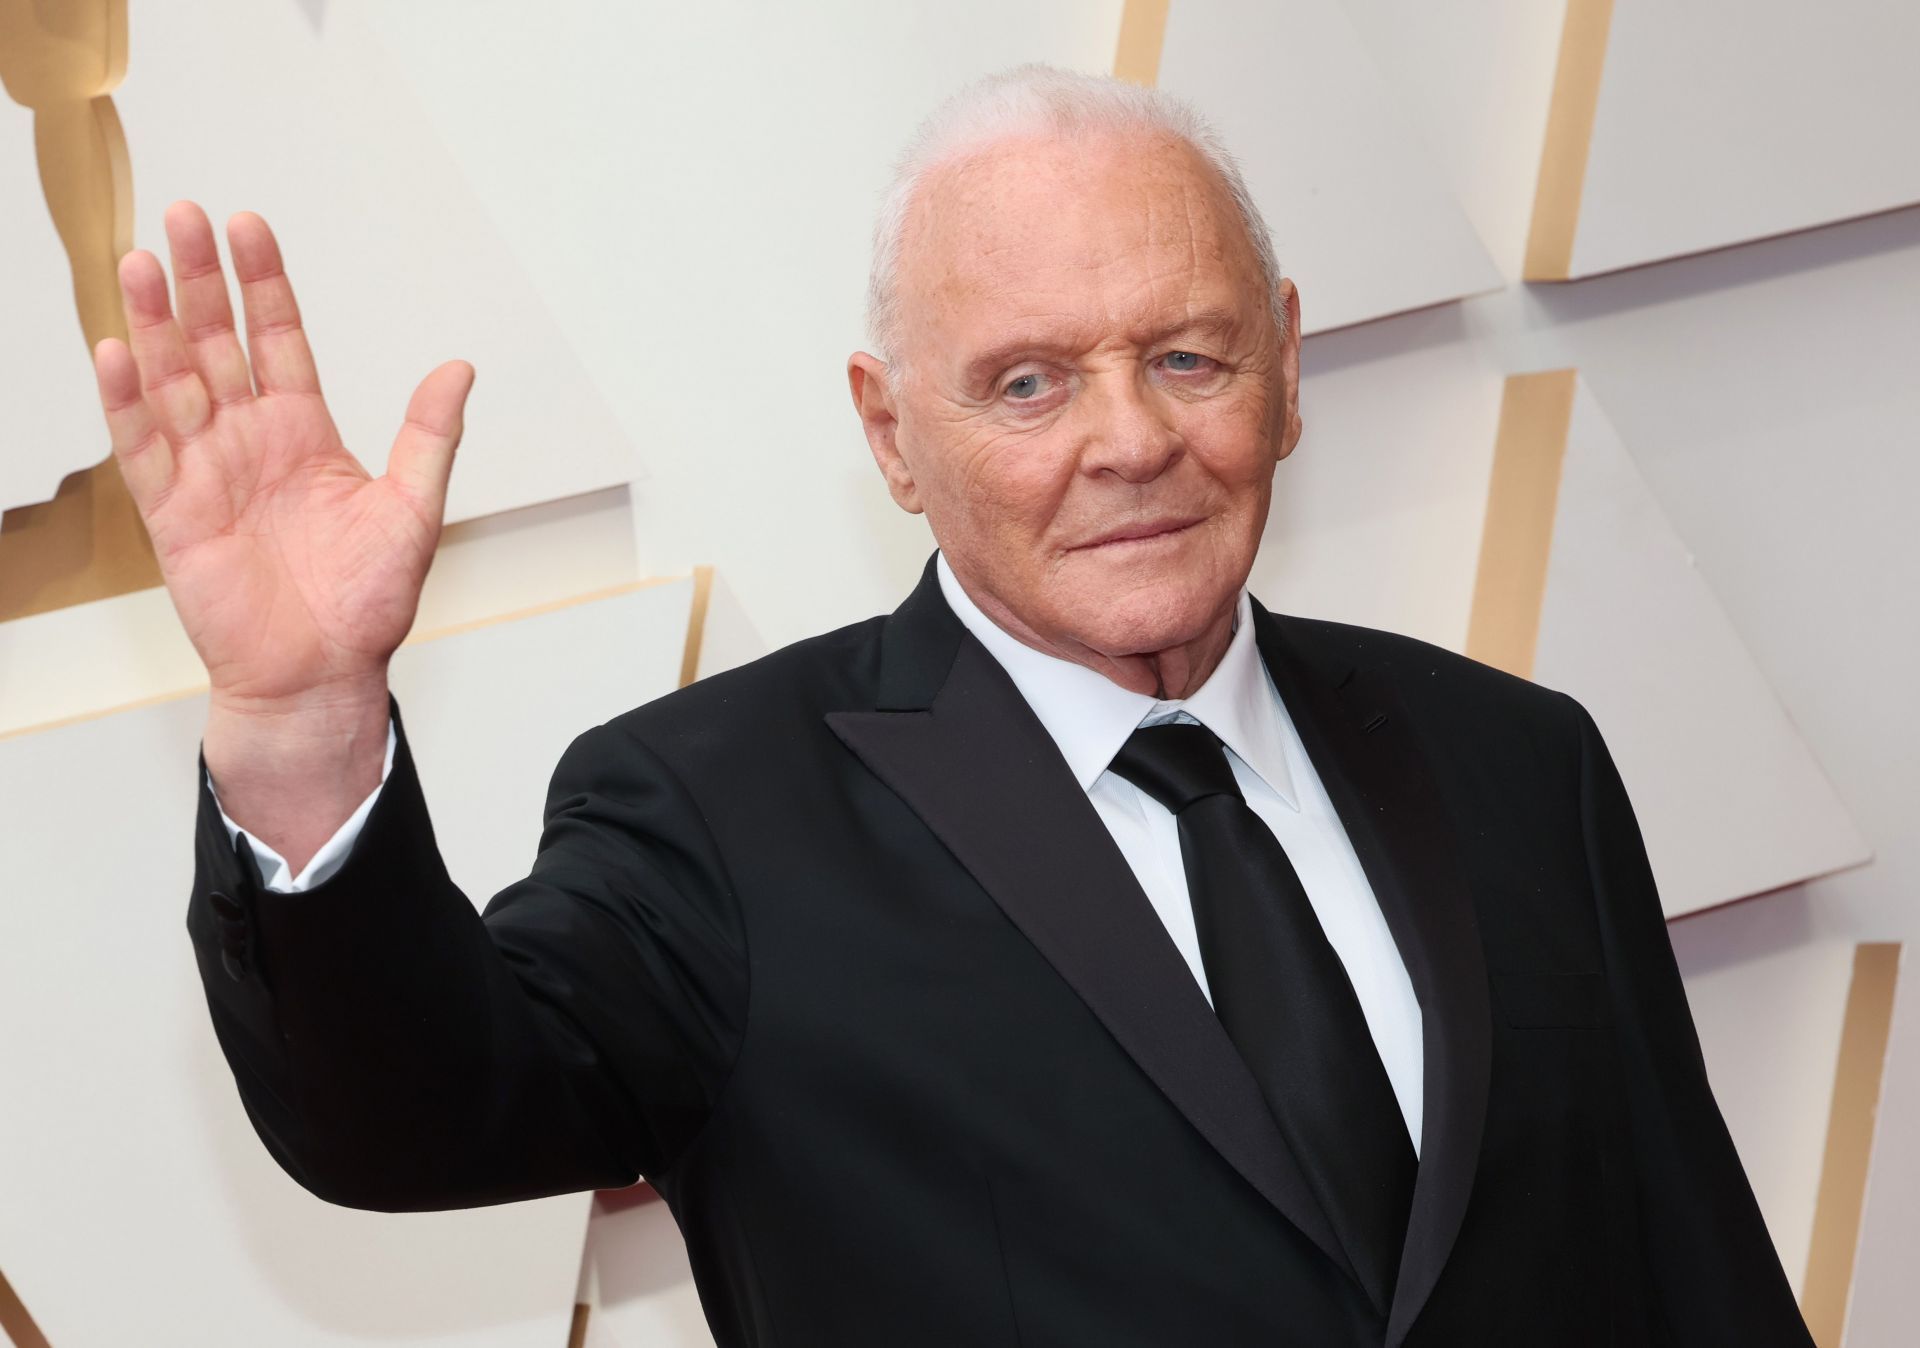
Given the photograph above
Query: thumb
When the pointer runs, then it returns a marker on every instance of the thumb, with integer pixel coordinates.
(422, 455)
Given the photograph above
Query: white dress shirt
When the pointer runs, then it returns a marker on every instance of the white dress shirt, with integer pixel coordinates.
(1089, 718)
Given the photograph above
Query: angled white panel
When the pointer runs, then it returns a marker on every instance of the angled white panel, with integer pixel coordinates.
(1721, 121)
(692, 187)
(1476, 77)
(1768, 1004)
(523, 689)
(94, 657)
(1361, 212)
(50, 421)
(244, 105)
(728, 638)
(140, 1206)
(1729, 798)
(1377, 512)
(640, 1284)
(1880, 1312)
(86, 658)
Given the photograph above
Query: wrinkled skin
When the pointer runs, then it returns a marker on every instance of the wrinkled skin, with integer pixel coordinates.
(1089, 398)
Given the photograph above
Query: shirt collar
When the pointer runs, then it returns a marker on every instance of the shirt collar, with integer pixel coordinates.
(1089, 716)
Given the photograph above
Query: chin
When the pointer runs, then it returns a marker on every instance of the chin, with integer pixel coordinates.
(1134, 615)
(1141, 597)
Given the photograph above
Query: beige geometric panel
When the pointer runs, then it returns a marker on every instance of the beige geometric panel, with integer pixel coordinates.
(1362, 215)
(140, 1206)
(241, 105)
(1729, 798)
(1721, 121)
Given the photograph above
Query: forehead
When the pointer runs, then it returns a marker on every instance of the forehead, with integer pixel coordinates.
(1096, 230)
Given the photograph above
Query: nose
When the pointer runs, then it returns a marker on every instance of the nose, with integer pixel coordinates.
(1130, 435)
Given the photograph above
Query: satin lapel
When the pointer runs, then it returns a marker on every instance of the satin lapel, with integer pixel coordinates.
(979, 768)
(1357, 732)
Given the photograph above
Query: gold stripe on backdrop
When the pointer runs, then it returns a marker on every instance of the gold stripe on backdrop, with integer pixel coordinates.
(696, 624)
(1143, 28)
(1516, 542)
(1563, 158)
(62, 60)
(15, 1323)
(1850, 1128)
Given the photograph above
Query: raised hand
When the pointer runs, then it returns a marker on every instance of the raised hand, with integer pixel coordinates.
(294, 571)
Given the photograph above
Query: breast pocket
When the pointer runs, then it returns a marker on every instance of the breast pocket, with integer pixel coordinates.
(1552, 1000)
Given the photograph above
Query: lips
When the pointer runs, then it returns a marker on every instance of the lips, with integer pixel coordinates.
(1142, 533)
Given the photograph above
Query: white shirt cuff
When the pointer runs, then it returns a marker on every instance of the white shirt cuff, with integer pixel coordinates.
(332, 853)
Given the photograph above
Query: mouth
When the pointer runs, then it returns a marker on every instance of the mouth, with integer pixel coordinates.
(1135, 535)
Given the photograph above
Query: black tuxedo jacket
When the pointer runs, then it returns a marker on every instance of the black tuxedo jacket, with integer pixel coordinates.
(834, 951)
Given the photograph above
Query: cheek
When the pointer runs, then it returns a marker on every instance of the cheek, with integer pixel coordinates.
(1014, 482)
(1234, 445)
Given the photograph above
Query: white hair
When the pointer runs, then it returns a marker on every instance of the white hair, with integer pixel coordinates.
(1037, 99)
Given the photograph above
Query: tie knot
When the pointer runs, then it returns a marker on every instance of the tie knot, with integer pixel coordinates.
(1177, 764)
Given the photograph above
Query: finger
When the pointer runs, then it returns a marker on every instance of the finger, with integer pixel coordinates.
(144, 456)
(175, 396)
(206, 315)
(281, 361)
(422, 457)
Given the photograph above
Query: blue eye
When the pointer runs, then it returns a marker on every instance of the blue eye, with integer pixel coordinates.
(1026, 386)
(1183, 361)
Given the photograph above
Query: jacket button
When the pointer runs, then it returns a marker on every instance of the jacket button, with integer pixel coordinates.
(226, 906)
(234, 964)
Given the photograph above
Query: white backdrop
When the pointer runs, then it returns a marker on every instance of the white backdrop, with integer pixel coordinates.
(647, 224)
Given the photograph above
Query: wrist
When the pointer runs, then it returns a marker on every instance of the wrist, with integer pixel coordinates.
(334, 733)
(337, 700)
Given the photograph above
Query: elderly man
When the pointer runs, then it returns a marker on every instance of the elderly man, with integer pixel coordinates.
(1080, 955)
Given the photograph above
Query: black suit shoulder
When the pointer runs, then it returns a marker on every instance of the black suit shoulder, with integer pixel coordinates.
(780, 699)
(765, 701)
(1444, 690)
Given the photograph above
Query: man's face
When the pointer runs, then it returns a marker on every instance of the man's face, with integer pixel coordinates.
(1093, 397)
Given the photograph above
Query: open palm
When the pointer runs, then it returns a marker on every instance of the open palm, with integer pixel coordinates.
(291, 567)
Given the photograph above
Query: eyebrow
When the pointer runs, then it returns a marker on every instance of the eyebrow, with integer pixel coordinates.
(997, 357)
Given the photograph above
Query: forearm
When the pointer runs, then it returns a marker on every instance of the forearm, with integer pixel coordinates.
(290, 771)
(387, 1054)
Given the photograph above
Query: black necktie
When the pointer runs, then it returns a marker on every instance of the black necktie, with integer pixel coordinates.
(1284, 998)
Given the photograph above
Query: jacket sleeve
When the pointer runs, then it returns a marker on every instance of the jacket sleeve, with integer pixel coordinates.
(326, 860)
(398, 1051)
(1715, 1273)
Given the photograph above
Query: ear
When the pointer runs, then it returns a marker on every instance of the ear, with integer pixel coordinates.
(1290, 367)
(880, 418)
